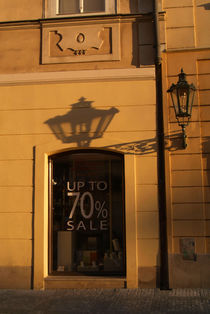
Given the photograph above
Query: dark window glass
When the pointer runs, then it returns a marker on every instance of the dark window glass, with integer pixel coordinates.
(69, 7)
(94, 6)
(77, 6)
(87, 214)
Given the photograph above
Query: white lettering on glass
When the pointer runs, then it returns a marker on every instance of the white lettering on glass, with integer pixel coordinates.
(87, 205)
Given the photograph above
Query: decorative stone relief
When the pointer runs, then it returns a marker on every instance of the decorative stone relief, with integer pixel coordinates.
(67, 43)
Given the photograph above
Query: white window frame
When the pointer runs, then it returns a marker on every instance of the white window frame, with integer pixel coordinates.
(52, 9)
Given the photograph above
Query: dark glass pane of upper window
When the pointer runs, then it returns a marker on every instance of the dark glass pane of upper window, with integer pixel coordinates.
(77, 6)
(69, 6)
(94, 6)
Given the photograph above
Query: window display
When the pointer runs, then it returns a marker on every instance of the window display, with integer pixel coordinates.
(87, 214)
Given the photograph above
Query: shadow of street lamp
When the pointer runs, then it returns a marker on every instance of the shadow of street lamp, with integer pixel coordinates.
(82, 123)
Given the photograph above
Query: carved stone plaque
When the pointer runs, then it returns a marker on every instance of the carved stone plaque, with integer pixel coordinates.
(69, 43)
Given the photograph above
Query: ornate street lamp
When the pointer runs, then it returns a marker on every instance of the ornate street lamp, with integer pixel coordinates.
(182, 95)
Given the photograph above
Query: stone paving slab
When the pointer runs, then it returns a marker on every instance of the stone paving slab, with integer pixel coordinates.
(97, 301)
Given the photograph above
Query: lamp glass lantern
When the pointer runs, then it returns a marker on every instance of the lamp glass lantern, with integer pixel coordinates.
(182, 95)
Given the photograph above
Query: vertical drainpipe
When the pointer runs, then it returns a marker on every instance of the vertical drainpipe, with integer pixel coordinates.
(164, 275)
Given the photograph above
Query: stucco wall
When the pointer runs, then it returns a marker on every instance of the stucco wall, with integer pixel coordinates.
(24, 112)
(33, 91)
(188, 48)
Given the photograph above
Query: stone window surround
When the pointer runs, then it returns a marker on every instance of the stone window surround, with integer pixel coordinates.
(43, 152)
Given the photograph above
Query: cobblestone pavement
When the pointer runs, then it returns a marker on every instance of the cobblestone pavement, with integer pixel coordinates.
(105, 301)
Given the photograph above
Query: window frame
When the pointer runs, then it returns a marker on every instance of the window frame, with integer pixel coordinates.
(52, 10)
(42, 279)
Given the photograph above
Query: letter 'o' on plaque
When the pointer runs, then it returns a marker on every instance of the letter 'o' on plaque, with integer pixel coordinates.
(81, 38)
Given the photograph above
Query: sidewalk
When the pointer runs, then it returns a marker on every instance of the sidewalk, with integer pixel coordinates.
(105, 301)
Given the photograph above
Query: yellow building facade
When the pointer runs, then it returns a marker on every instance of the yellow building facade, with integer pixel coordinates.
(96, 188)
(187, 27)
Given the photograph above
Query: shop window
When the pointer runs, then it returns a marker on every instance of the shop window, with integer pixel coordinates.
(56, 8)
(86, 214)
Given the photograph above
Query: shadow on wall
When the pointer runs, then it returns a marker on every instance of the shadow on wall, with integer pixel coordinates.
(206, 156)
(133, 6)
(145, 35)
(82, 123)
(205, 5)
(149, 146)
(149, 276)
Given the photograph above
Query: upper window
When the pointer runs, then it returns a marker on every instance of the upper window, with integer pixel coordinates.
(57, 8)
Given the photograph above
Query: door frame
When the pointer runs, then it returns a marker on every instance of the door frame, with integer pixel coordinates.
(42, 153)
